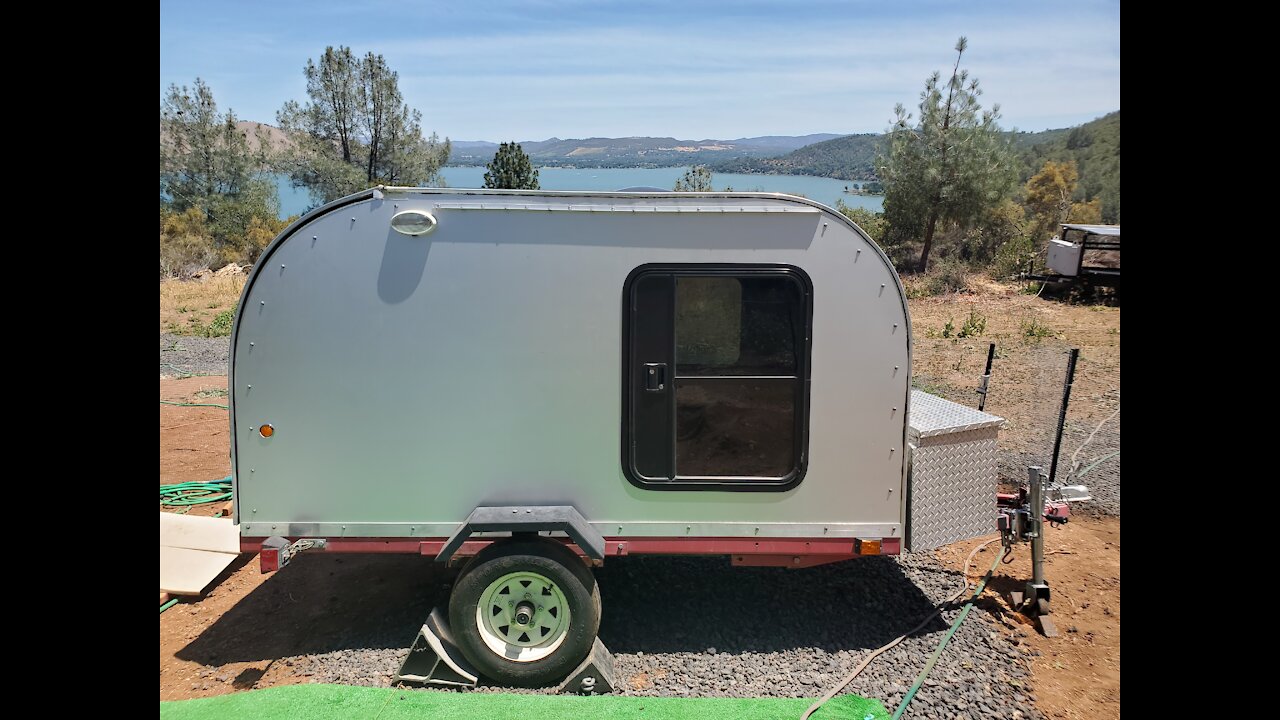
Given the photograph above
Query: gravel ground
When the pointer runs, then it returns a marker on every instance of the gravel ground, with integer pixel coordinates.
(696, 627)
(182, 355)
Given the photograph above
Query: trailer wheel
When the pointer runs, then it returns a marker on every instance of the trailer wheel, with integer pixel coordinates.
(525, 612)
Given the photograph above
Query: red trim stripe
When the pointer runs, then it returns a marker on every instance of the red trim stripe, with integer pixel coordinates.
(825, 549)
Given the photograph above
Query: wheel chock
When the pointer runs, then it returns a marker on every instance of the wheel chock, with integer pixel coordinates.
(594, 676)
(434, 658)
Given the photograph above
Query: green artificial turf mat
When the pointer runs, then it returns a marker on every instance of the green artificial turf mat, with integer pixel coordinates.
(339, 702)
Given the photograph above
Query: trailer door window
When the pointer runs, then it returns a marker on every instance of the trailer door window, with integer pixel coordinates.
(716, 385)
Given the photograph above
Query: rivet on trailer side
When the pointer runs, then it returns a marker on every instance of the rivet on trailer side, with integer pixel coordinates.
(530, 382)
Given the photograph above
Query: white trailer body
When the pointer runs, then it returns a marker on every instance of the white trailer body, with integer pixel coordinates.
(525, 377)
(409, 379)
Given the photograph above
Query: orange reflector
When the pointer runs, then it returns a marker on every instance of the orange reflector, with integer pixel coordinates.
(866, 547)
(268, 431)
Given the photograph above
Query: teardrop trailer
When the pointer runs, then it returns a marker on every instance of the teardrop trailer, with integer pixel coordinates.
(525, 383)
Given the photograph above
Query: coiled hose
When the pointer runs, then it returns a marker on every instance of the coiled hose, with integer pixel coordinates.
(195, 493)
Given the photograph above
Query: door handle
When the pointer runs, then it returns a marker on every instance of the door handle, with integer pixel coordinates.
(655, 377)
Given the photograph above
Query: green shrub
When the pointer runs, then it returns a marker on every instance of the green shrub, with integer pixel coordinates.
(186, 245)
(946, 276)
(189, 243)
(1014, 257)
(872, 223)
(221, 325)
(973, 326)
(1035, 329)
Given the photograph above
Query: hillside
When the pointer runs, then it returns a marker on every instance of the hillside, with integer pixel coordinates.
(1095, 146)
(635, 151)
(851, 157)
(600, 152)
(275, 136)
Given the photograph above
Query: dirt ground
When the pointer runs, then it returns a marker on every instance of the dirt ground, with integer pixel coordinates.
(1076, 675)
(195, 442)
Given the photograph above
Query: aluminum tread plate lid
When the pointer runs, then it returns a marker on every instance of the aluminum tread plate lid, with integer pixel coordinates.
(932, 415)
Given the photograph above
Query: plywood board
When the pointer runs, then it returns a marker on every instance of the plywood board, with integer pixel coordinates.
(186, 572)
(199, 533)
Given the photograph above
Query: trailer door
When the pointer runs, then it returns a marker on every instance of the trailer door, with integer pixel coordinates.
(716, 376)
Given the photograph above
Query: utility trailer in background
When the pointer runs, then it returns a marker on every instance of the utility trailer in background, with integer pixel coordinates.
(529, 382)
(1084, 254)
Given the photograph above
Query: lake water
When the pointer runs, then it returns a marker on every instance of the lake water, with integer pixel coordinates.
(824, 190)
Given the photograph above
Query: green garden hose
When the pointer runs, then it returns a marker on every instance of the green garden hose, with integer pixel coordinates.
(170, 402)
(937, 610)
(168, 605)
(195, 493)
(933, 659)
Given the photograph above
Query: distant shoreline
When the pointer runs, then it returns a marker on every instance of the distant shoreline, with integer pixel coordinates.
(650, 166)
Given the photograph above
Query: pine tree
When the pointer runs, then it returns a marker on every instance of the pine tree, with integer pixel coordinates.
(208, 167)
(951, 166)
(356, 131)
(696, 179)
(511, 169)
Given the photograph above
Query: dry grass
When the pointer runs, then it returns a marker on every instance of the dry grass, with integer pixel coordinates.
(185, 304)
(1026, 383)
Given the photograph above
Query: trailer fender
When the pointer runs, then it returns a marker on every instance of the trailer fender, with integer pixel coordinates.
(534, 518)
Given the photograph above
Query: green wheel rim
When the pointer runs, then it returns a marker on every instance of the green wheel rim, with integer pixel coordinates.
(523, 616)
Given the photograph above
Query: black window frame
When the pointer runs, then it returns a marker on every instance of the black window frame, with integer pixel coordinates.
(803, 376)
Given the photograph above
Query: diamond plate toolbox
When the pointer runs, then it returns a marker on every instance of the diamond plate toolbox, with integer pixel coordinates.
(952, 482)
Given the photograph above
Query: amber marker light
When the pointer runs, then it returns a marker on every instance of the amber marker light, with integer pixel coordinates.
(266, 431)
(866, 547)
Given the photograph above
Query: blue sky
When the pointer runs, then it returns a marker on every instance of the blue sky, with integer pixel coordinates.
(529, 70)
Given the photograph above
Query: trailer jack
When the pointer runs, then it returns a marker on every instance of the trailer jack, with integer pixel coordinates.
(1023, 516)
(1020, 523)
(1026, 522)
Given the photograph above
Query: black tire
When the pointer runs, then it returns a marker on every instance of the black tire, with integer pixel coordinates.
(553, 561)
